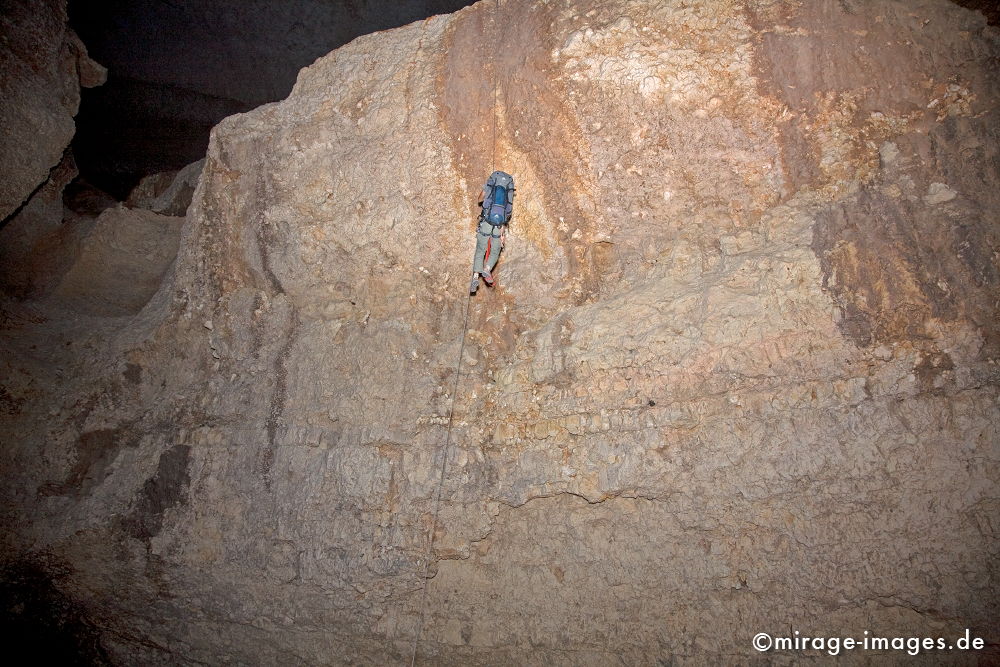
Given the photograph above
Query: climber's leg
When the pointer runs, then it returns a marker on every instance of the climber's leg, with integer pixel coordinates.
(494, 249)
(482, 241)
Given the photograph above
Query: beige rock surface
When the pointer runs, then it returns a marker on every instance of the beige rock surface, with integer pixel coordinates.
(739, 374)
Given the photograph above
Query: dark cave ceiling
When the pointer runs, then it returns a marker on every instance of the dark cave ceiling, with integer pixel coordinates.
(177, 67)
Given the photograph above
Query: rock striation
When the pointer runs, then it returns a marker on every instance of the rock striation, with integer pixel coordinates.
(739, 374)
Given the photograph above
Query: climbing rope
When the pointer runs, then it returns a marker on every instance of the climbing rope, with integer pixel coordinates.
(437, 498)
(496, 80)
(454, 398)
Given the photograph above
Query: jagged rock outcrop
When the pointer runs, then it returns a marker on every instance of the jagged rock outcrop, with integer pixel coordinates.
(168, 193)
(739, 375)
(42, 67)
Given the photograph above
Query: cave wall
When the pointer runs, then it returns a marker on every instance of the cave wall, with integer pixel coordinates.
(43, 66)
(739, 373)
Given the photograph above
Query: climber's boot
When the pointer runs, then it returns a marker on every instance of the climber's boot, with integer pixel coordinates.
(487, 277)
(474, 285)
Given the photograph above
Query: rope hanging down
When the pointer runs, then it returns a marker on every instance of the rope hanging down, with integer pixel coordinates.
(437, 497)
(454, 395)
(496, 80)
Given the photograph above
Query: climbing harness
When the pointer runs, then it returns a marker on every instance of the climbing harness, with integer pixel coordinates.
(451, 410)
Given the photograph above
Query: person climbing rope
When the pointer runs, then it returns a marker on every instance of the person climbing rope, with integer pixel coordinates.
(497, 200)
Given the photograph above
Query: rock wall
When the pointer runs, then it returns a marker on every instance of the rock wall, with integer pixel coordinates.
(35, 246)
(42, 68)
(739, 374)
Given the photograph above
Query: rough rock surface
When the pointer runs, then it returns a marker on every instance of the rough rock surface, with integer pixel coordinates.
(740, 373)
(42, 66)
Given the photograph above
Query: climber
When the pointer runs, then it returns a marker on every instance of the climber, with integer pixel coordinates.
(497, 201)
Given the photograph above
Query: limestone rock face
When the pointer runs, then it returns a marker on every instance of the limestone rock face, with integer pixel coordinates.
(179, 67)
(738, 375)
(42, 66)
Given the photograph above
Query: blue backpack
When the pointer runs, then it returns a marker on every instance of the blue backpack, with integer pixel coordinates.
(499, 200)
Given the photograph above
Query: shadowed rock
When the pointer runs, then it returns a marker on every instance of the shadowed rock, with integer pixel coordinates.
(121, 263)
